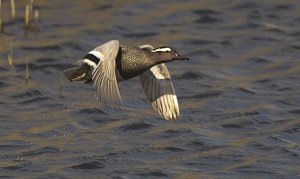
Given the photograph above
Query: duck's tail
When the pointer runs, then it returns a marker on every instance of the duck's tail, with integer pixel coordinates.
(76, 73)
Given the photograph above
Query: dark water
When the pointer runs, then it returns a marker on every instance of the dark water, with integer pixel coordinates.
(239, 93)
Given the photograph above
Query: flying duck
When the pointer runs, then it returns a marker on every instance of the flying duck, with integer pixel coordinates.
(110, 63)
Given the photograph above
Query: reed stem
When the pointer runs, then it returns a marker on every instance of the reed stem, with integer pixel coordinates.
(11, 55)
(0, 15)
(36, 17)
(10, 58)
(13, 9)
(30, 7)
(27, 75)
(27, 16)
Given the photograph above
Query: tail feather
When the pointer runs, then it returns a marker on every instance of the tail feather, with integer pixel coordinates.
(75, 74)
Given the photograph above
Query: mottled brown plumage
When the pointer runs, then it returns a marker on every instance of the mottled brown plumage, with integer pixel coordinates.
(132, 61)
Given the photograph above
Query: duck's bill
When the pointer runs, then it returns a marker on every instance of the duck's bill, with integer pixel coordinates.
(180, 57)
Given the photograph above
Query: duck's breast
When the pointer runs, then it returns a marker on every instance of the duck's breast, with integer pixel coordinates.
(131, 62)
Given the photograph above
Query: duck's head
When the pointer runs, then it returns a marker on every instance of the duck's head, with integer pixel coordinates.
(167, 54)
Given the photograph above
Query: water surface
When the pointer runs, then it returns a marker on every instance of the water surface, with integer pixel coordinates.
(239, 93)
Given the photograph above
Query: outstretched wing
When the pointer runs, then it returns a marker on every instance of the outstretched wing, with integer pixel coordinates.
(159, 89)
(104, 75)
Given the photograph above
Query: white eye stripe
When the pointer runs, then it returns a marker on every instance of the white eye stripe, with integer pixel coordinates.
(166, 49)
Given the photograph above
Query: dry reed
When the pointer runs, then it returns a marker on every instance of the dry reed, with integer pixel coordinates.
(27, 16)
(31, 6)
(36, 18)
(0, 15)
(27, 75)
(13, 9)
(10, 58)
(10, 55)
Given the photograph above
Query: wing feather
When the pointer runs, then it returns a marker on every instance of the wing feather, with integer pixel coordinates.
(104, 76)
(158, 87)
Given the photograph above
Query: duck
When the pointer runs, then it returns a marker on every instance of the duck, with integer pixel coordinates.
(110, 63)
